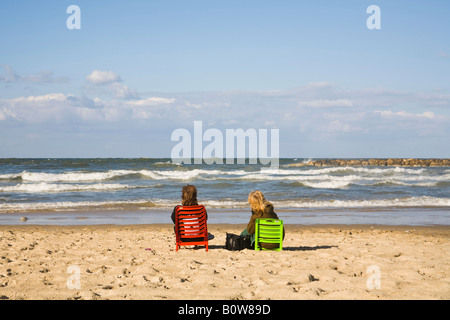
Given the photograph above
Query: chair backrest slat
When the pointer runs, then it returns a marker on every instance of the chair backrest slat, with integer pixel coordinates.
(269, 231)
(190, 222)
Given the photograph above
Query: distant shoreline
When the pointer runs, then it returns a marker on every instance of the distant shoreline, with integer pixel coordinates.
(387, 162)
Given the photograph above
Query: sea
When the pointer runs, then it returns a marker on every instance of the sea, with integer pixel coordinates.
(141, 190)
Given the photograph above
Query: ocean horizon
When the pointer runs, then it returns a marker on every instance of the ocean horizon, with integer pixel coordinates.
(145, 190)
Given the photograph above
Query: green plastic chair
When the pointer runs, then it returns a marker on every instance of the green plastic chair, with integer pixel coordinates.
(268, 231)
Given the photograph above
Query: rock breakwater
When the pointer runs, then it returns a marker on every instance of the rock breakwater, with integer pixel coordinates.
(393, 162)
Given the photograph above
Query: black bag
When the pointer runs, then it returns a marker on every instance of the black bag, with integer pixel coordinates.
(235, 242)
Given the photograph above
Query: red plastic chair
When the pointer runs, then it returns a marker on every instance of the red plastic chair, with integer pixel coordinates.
(190, 226)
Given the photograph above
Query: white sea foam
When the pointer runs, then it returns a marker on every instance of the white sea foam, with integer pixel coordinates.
(396, 202)
(80, 176)
(317, 178)
(43, 187)
(327, 184)
(322, 170)
(330, 173)
(167, 163)
(228, 204)
(75, 206)
(75, 176)
(333, 203)
(178, 174)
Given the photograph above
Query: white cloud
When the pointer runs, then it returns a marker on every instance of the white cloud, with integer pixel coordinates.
(120, 90)
(99, 77)
(326, 113)
(311, 117)
(44, 77)
(44, 98)
(109, 83)
(10, 75)
(337, 126)
(320, 84)
(325, 103)
(152, 101)
(153, 107)
(35, 109)
(61, 107)
(404, 114)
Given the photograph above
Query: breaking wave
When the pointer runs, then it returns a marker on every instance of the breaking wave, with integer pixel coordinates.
(224, 204)
(142, 184)
(52, 187)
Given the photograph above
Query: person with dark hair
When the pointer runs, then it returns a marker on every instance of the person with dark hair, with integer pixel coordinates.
(189, 195)
(189, 198)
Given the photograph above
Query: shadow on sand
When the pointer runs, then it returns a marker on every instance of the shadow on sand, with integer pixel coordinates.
(308, 248)
(284, 248)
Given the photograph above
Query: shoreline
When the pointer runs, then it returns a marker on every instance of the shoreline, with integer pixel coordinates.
(122, 262)
(413, 216)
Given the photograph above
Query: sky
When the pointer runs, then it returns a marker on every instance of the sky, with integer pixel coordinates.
(135, 71)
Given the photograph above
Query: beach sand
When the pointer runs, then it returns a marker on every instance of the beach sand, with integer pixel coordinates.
(318, 262)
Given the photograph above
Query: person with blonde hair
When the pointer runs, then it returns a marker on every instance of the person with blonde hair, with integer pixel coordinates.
(261, 208)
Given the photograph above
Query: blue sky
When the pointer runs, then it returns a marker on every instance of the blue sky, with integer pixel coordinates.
(138, 70)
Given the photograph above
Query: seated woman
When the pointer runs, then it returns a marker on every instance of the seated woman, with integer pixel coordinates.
(189, 198)
(261, 208)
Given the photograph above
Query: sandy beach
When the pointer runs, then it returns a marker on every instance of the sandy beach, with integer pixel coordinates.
(140, 262)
